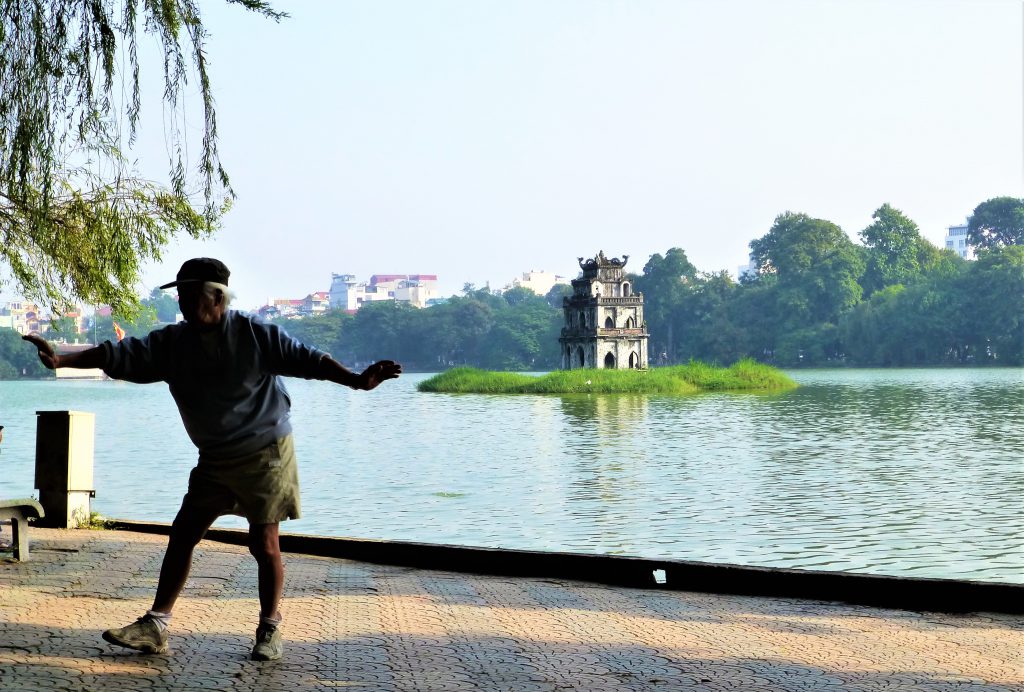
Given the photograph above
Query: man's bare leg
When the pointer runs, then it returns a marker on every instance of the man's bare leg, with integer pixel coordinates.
(186, 532)
(149, 633)
(264, 544)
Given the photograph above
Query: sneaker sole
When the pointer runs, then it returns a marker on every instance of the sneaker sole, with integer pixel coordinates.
(144, 647)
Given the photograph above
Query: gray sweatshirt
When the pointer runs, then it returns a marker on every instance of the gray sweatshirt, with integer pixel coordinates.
(225, 382)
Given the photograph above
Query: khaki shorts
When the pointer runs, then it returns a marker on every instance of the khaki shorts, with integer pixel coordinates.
(263, 486)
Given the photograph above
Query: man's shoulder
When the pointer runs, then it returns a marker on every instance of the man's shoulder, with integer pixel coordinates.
(165, 332)
(240, 323)
(241, 319)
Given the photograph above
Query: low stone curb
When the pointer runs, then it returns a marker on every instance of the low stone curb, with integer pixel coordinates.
(903, 593)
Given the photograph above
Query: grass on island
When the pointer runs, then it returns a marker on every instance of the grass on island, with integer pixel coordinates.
(746, 375)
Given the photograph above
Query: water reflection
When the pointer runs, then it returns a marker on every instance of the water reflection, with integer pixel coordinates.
(606, 442)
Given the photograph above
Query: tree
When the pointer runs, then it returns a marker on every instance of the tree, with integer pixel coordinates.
(817, 266)
(894, 249)
(471, 322)
(60, 327)
(524, 336)
(996, 223)
(327, 332)
(141, 323)
(708, 333)
(994, 304)
(164, 304)
(16, 360)
(664, 282)
(76, 218)
(518, 294)
(557, 295)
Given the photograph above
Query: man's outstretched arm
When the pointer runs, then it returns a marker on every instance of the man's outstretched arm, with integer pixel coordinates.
(91, 358)
(333, 371)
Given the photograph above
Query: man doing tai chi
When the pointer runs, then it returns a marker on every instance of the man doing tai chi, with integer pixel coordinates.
(223, 369)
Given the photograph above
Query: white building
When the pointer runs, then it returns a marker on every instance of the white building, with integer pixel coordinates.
(349, 294)
(747, 271)
(540, 282)
(343, 294)
(956, 240)
(23, 317)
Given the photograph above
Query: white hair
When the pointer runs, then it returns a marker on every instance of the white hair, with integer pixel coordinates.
(211, 288)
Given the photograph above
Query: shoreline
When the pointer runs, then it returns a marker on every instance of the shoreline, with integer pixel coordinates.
(901, 593)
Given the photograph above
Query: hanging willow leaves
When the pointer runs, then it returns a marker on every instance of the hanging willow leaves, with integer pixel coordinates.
(77, 220)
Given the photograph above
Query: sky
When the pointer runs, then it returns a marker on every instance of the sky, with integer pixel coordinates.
(477, 139)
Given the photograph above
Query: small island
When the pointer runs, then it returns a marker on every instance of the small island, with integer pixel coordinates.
(604, 350)
(744, 376)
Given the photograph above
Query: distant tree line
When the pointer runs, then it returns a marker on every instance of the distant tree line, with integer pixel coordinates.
(813, 298)
(514, 330)
(816, 298)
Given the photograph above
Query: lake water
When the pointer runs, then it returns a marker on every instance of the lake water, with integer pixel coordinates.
(900, 472)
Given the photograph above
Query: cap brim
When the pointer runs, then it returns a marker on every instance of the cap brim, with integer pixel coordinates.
(183, 281)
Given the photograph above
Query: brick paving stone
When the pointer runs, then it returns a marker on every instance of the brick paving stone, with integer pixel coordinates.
(370, 627)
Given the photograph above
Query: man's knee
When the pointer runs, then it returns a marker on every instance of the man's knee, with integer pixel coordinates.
(187, 530)
(264, 543)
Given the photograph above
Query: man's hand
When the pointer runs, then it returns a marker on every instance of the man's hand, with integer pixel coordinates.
(47, 355)
(378, 372)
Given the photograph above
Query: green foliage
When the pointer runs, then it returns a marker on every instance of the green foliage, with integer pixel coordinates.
(329, 332)
(900, 325)
(895, 250)
(665, 284)
(680, 379)
(993, 299)
(60, 326)
(816, 264)
(17, 361)
(163, 304)
(558, 293)
(997, 222)
(77, 219)
(98, 522)
(143, 322)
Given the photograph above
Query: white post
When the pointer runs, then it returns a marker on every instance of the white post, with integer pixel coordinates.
(64, 461)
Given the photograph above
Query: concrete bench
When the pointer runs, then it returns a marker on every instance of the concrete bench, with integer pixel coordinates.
(19, 512)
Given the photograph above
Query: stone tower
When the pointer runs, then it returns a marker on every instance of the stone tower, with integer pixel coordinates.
(604, 318)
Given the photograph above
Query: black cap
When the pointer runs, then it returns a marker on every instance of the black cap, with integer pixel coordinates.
(201, 269)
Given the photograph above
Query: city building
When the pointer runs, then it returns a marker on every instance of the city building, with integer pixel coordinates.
(956, 240)
(316, 303)
(347, 293)
(23, 317)
(604, 319)
(540, 282)
(287, 308)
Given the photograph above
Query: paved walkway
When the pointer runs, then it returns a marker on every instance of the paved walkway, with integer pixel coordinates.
(366, 627)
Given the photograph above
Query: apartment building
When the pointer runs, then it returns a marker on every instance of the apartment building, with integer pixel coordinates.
(956, 240)
(540, 282)
(23, 317)
(348, 293)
